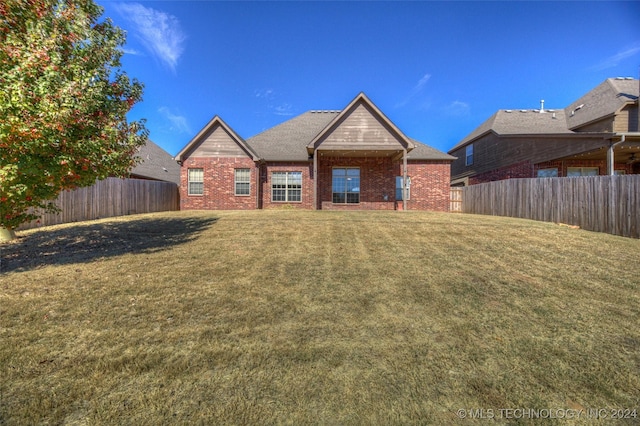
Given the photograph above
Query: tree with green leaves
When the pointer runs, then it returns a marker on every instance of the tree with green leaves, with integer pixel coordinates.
(63, 104)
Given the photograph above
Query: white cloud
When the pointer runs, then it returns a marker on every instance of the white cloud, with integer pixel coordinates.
(131, 52)
(264, 93)
(284, 109)
(415, 90)
(457, 108)
(614, 60)
(178, 122)
(160, 32)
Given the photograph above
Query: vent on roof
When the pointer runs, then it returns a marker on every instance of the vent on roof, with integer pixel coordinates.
(523, 110)
(541, 106)
(507, 110)
(551, 110)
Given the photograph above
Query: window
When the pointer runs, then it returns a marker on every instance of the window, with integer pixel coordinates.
(195, 182)
(552, 172)
(468, 155)
(346, 186)
(242, 182)
(582, 171)
(286, 186)
(619, 172)
(399, 188)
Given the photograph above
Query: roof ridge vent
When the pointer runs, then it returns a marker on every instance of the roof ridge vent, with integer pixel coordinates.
(523, 110)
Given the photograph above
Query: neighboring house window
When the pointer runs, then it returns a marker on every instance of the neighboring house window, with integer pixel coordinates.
(619, 172)
(552, 172)
(582, 171)
(195, 182)
(399, 188)
(346, 186)
(286, 186)
(242, 181)
(468, 155)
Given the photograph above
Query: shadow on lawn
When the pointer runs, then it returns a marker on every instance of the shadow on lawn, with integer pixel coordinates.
(86, 243)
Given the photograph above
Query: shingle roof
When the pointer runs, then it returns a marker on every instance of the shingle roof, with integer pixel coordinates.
(518, 122)
(156, 164)
(600, 102)
(288, 141)
(425, 152)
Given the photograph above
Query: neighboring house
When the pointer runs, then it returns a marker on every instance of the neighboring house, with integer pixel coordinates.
(350, 159)
(596, 135)
(156, 164)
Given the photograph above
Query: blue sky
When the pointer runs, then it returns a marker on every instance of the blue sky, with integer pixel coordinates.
(436, 69)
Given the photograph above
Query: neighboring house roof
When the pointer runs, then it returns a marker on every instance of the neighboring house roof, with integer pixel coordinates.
(156, 164)
(600, 102)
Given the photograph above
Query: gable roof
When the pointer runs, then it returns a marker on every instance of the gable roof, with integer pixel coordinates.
(290, 141)
(216, 121)
(156, 164)
(361, 99)
(602, 101)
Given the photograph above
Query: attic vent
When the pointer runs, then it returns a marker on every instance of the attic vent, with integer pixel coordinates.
(523, 110)
(551, 110)
(507, 110)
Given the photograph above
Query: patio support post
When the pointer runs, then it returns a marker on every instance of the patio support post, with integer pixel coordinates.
(315, 179)
(404, 179)
(610, 155)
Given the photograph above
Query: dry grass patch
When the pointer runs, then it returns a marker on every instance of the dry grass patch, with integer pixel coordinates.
(314, 317)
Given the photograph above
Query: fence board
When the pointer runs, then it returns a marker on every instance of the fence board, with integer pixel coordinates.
(111, 197)
(596, 203)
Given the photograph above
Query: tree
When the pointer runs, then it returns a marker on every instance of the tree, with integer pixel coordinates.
(63, 104)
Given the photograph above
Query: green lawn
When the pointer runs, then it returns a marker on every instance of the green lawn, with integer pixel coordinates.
(291, 317)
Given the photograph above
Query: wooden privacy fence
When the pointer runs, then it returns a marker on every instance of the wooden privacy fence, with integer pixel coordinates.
(111, 197)
(600, 203)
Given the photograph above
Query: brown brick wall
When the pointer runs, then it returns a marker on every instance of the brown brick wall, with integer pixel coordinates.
(563, 165)
(377, 179)
(219, 178)
(523, 169)
(307, 184)
(430, 185)
(527, 170)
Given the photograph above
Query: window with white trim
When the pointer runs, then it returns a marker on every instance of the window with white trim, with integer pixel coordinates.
(286, 186)
(346, 185)
(242, 182)
(582, 171)
(195, 185)
(468, 155)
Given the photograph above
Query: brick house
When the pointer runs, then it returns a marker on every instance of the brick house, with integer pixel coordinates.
(596, 135)
(355, 158)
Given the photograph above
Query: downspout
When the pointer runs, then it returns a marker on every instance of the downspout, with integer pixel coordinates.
(610, 155)
(404, 179)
